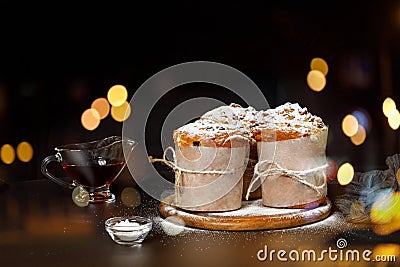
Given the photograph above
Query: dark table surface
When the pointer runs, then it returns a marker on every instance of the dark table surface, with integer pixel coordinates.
(41, 226)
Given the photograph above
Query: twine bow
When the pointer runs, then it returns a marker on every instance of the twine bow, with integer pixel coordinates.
(277, 170)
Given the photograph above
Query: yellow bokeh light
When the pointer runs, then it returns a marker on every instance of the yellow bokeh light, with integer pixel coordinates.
(385, 213)
(24, 151)
(80, 196)
(359, 137)
(386, 208)
(130, 197)
(90, 119)
(319, 64)
(121, 113)
(117, 95)
(388, 105)
(386, 249)
(7, 154)
(316, 80)
(345, 174)
(350, 125)
(102, 106)
(394, 119)
(387, 228)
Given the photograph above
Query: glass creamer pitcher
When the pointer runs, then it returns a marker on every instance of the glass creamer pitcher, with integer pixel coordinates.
(91, 165)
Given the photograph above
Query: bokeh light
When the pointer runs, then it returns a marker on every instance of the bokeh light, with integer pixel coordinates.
(320, 65)
(394, 119)
(386, 208)
(7, 154)
(363, 118)
(130, 197)
(359, 137)
(316, 80)
(331, 170)
(80, 196)
(24, 151)
(345, 174)
(117, 95)
(388, 105)
(90, 119)
(387, 228)
(349, 125)
(387, 250)
(173, 225)
(122, 112)
(102, 106)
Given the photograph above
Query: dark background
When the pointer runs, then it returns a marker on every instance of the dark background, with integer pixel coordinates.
(56, 59)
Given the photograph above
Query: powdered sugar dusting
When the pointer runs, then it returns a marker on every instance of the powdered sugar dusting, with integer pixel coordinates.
(232, 114)
(210, 129)
(290, 118)
(253, 208)
(332, 224)
(220, 122)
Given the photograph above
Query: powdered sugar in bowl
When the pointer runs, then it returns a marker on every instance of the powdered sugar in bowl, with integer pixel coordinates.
(128, 231)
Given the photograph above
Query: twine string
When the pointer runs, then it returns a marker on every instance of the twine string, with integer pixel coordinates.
(179, 170)
(277, 170)
(173, 165)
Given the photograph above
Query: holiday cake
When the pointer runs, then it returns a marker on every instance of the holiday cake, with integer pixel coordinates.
(243, 118)
(211, 158)
(231, 153)
(291, 144)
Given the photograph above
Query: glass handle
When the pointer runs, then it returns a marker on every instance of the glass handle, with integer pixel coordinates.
(55, 179)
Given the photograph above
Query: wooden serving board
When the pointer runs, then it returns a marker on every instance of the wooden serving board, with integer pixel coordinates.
(252, 216)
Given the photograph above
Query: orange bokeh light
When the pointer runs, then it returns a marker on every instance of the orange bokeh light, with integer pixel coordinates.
(102, 106)
(90, 119)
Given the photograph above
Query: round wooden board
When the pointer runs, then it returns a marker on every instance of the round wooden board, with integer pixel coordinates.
(252, 216)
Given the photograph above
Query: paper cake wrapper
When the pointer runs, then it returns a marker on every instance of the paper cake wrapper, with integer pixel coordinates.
(295, 154)
(210, 192)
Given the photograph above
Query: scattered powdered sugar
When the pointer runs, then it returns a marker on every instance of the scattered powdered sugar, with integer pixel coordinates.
(208, 133)
(318, 235)
(210, 129)
(172, 225)
(223, 121)
(332, 225)
(232, 114)
(290, 118)
(253, 208)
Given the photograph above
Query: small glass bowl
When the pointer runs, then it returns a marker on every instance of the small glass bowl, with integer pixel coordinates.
(129, 231)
